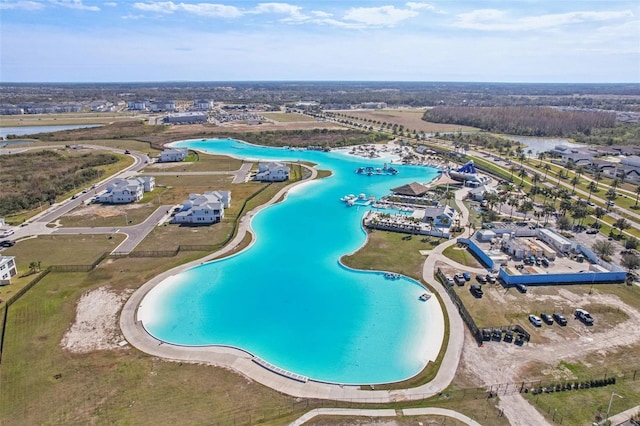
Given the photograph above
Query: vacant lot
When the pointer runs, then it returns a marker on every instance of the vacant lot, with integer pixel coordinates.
(202, 162)
(411, 119)
(63, 119)
(287, 117)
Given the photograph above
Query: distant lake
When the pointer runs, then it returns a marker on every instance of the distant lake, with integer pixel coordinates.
(537, 144)
(32, 130)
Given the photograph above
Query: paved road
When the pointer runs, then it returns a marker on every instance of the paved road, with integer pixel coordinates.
(239, 176)
(135, 233)
(352, 412)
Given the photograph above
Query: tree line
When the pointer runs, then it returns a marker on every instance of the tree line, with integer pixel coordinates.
(529, 121)
(316, 137)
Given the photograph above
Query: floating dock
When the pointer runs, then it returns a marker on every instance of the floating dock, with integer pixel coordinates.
(370, 171)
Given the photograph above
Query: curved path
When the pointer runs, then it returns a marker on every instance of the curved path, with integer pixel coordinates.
(242, 362)
(426, 411)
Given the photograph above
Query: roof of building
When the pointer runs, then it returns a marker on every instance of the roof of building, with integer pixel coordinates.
(413, 189)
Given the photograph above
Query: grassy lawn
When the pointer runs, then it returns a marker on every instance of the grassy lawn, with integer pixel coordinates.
(286, 117)
(580, 407)
(78, 250)
(43, 384)
(387, 251)
(462, 256)
(201, 163)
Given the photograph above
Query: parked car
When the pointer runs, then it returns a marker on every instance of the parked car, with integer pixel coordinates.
(7, 243)
(7, 233)
(459, 279)
(546, 318)
(476, 290)
(592, 231)
(584, 316)
(521, 288)
(467, 276)
(610, 203)
(481, 278)
(545, 262)
(491, 278)
(560, 319)
(126, 151)
(536, 321)
(449, 280)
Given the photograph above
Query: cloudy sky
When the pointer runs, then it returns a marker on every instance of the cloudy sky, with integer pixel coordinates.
(235, 40)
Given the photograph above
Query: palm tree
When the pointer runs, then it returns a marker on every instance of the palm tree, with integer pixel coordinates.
(637, 194)
(541, 156)
(592, 187)
(513, 169)
(535, 178)
(621, 224)
(546, 170)
(575, 181)
(522, 173)
(526, 207)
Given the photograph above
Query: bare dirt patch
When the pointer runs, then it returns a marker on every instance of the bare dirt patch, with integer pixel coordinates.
(96, 323)
(106, 211)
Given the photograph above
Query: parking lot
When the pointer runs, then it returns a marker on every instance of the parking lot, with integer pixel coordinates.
(499, 306)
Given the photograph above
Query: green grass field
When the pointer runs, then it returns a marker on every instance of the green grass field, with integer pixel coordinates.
(286, 117)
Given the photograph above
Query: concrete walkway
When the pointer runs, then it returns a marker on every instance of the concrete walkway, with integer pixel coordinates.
(624, 416)
(427, 411)
(242, 362)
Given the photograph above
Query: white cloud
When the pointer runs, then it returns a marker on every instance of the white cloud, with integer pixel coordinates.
(387, 16)
(201, 9)
(22, 5)
(75, 4)
(321, 14)
(111, 4)
(417, 6)
(498, 20)
(293, 13)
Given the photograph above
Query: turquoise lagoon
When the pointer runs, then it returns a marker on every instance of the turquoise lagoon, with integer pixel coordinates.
(288, 300)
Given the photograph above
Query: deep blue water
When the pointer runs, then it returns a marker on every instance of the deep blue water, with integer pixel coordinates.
(288, 300)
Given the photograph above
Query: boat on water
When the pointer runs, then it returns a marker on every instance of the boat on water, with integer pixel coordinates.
(425, 296)
(391, 276)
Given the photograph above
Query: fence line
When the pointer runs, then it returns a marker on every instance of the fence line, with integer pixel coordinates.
(464, 313)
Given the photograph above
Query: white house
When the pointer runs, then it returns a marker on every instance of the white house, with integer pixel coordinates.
(173, 154)
(123, 191)
(204, 208)
(272, 172)
(7, 269)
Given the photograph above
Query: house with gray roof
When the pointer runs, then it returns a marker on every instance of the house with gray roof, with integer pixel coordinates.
(123, 191)
(173, 155)
(204, 209)
(272, 172)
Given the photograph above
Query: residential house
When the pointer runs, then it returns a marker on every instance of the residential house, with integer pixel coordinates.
(204, 208)
(122, 191)
(7, 269)
(173, 154)
(272, 172)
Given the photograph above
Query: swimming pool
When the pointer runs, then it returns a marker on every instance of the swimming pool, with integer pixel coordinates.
(288, 300)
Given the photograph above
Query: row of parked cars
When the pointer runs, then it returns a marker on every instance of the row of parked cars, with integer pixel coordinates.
(557, 317)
